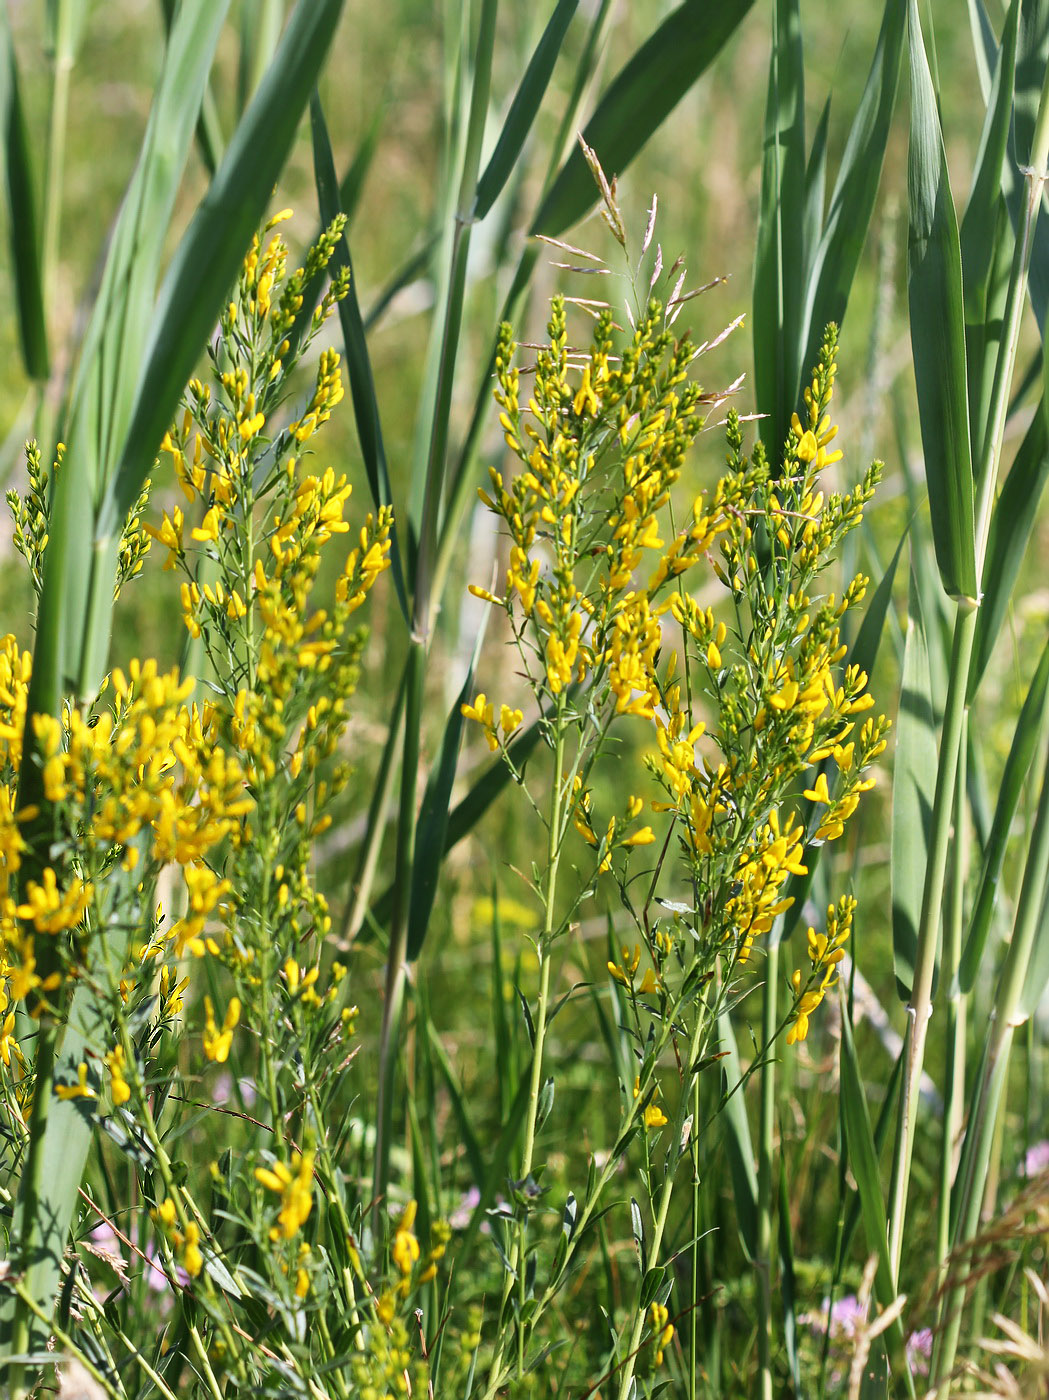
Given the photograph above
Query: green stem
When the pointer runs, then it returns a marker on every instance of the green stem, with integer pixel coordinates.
(768, 1125)
(555, 831)
(626, 1386)
(1007, 1013)
(954, 1070)
(964, 632)
(32, 1179)
(396, 958)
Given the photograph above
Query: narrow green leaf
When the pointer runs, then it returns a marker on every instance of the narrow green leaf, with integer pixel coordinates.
(1032, 53)
(986, 237)
(1026, 737)
(470, 1141)
(504, 1046)
(1012, 521)
(738, 1142)
(524, 108)
(23, 229)
(431, 830)
(260, 26)
(864, 1163)
(358, 360)
(644, 92)
(786, 1277)
(864, 649)
(73, 635)
(913, 783)
(780, 260)
(209, 254)
(495, 1176)
(852, 202)
(938, 331)
(1037, 978)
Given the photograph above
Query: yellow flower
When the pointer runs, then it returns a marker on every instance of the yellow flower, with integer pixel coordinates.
(118, 1085)
(294, 1185)
(80, 1090)
(217, 1043)
(655, 1117)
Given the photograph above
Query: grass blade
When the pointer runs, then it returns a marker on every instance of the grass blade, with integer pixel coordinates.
(1013, 519)
(864, 1163)
(852, 202)
(914, 779)
(738, 1142)
(431, 829)
(938, 332)
(986, 246)
(208, 256)
(524, 108)
(639, 99)
(780, 261)
(26, 268)
(864, 649)
(358, 360)
(1026, 737)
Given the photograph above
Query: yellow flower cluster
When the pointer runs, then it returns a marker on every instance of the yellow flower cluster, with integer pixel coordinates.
(137, 781)
(294, 1185)
(779, 704)
(826, 950)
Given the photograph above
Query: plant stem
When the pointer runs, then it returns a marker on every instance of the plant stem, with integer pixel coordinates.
(659, 1224)
(43, 1086)
(920, 1007)
(954, 1070)
(555, 831)
(765, 1141)
(1006, 1014)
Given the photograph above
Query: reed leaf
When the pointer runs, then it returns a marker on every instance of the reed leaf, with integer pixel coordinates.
(1030, 728)
(938, 331)
(1011, 524)
(524, 108)
(638, 101)
(780, 266)
(358, 360)
(23, 228)
(738, 1143)
(837, 254)
(914, 778)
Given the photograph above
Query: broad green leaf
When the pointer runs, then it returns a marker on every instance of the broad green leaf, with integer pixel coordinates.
(913, 784)
(838, 254)
(23, 230)
(1012, 521)
(358, 360)
(938, 331)
(780, 263)
(524, 108)
(738, 1143)
(638, 100)
(1030, 728)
